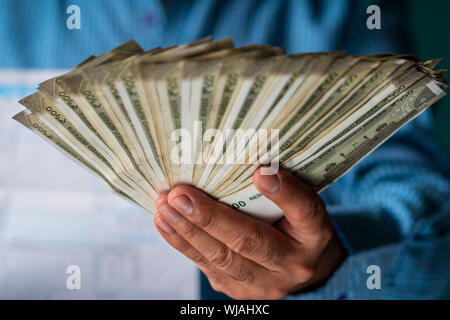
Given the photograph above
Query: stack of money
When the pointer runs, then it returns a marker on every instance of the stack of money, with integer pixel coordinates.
(209, 114)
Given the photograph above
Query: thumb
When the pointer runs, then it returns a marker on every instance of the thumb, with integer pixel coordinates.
(306, 219)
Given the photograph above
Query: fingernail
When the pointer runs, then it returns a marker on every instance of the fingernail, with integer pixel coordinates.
(269, 183)
(169, 213)
(163, 225)
(183, 204)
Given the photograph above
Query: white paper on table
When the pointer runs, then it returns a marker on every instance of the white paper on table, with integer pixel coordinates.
(53, 214)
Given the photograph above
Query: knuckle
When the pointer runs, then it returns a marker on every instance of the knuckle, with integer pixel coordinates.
(216, 283)
(276, 251)
(244, 275)
(327, 231)
(215, 286)
(181, 246)
(219, 284)
(223, 258)
(190, 231)
(303, 272)
(247, 242)
(219, 288)
(201, 261)
(208, 218)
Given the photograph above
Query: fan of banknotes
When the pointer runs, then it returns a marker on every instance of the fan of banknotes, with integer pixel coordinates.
(209, 114)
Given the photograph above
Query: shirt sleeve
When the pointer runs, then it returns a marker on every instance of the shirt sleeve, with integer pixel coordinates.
(392, 210)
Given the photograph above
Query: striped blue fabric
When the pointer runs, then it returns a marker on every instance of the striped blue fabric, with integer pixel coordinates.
(391, 210)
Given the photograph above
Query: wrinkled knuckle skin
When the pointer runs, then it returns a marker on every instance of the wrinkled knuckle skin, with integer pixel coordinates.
(181, 246)
(241, 274)
(247, 242)
(219, 284)
(201, 261)
(275, 252)
(223, 258)
(190, 231)
(207, 219)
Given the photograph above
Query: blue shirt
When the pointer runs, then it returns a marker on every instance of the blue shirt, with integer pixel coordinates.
(392, 210)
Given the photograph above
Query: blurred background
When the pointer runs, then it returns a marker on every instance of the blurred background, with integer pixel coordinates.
(430, 30)
(54, 214)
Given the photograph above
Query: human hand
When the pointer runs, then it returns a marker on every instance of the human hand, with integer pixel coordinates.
(246, 258)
